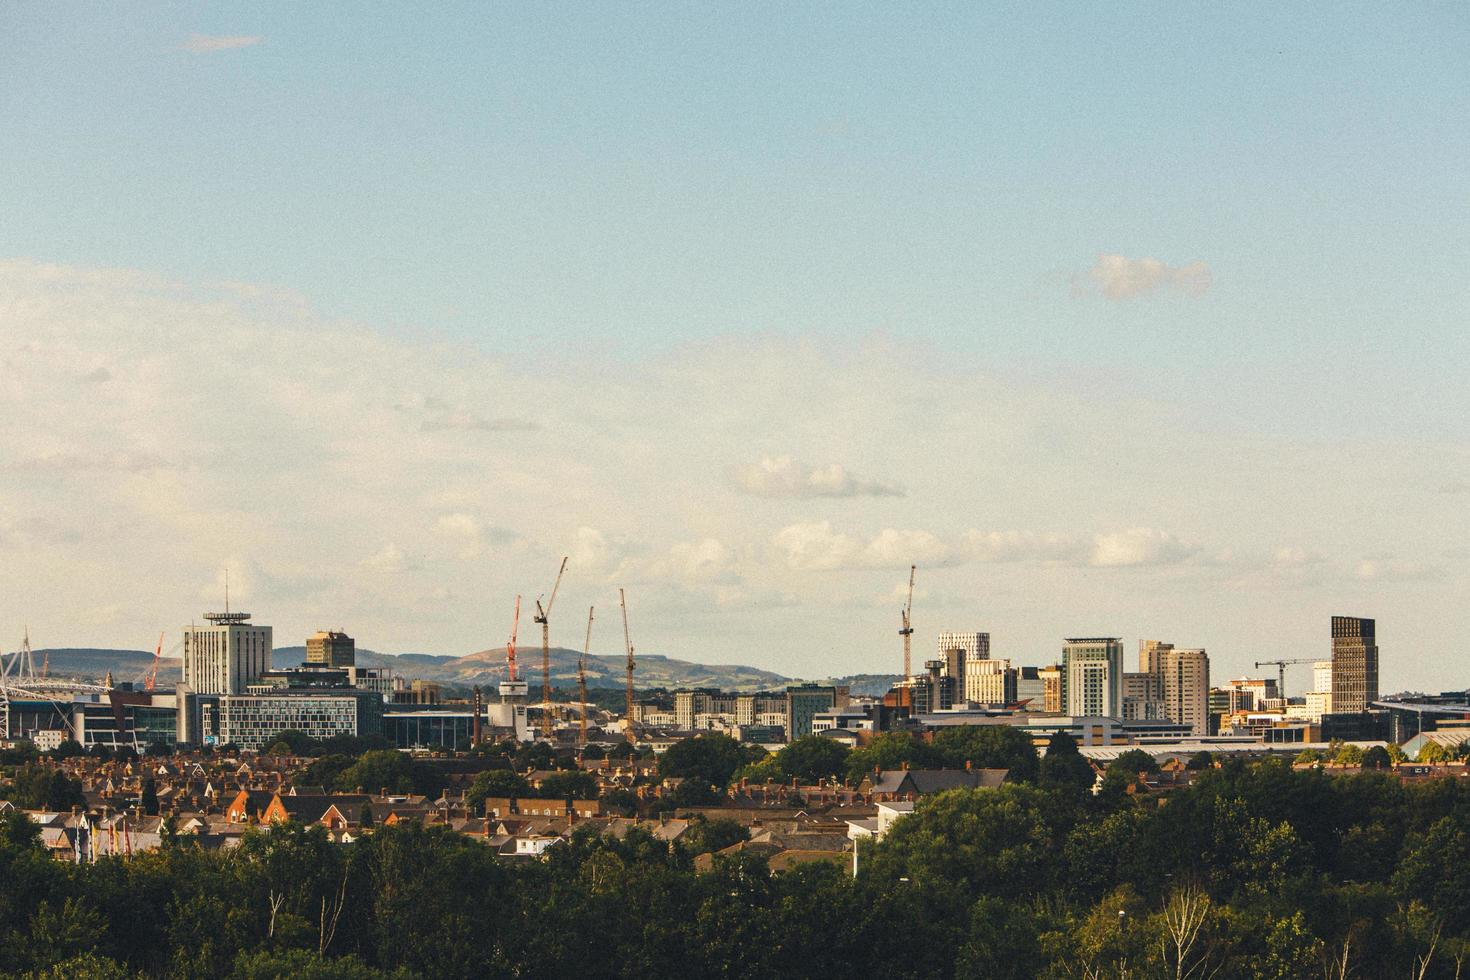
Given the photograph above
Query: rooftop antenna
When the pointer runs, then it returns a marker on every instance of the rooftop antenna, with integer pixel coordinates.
(227, 590)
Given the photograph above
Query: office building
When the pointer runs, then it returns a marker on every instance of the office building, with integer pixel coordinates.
(957, 650)
(933, 690)
(1051, 689)
(1092, 676)
(990, 682)
(1183, 682)
(804, 702)
(226, 656)
(1143, 696)
(330, 649)
(1354, 664)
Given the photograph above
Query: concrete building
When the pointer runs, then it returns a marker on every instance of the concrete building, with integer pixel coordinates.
(253, 720)
(1183, 681)
(958, 650)
(1092, 676)
(326, 648)
(804, 702)
(1354, 664)
(1143, 696)
(1051, 689)
(1030, 688)
(990, 682)
(227, 656)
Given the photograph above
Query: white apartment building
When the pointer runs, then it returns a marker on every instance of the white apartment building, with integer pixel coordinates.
(1092, 676)
(226, 656)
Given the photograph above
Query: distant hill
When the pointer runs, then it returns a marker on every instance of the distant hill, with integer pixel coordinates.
(486, 667)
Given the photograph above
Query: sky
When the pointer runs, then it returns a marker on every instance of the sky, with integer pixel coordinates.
(1144, 320)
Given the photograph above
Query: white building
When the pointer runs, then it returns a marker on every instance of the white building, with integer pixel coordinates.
(958, 650)
(227, 656)
(1092, 676)
(990, 682)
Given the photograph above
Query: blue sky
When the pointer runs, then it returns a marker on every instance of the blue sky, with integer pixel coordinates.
(604, 195)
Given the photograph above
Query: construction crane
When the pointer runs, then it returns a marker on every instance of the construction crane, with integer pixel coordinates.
(582, 686)
(907, 632)
(152, 677)
(628, 642)
(1281, 666)
(510, 646)
(543, 616)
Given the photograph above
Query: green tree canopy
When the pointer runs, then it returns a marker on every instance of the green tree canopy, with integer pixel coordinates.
(711, 759)
(988, 747)
(891, 750)
(572, 784)
(812, 758)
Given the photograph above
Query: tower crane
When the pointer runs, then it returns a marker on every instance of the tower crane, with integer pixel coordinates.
(543, 616)
(1281, 666)
(152, 677)
(510, 646)
(628, 642)
(582, 686)
(907, 632)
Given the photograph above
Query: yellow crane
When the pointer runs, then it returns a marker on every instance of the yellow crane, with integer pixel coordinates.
(582, 686)
(907, 631)
(628, 642)
(543, 616)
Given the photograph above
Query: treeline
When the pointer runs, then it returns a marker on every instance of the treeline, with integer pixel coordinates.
(1254, 871)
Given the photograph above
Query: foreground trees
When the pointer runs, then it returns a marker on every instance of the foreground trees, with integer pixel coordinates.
(1255, 871)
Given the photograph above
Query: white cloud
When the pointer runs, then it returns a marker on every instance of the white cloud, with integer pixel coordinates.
(1119, 277)
(210, 43)
(815, 547)
(1005, 546)
(1139, 546)
(1394, 570)
(387, 559)
(783, 476)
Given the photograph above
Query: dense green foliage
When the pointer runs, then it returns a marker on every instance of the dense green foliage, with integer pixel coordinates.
(1276, 873)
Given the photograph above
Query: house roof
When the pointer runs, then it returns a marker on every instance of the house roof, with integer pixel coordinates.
(923, 781)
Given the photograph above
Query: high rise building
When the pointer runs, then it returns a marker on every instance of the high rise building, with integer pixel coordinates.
(1143, 696)
(1051, 689)
(326, 648)
(226, 656)
(1183, 682)
(1092, 676)
(957, 650)
(804, 701)
(1354, 664)
(1184, 676)
(990, 682)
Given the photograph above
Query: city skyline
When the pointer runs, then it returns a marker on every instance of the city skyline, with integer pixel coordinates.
(1105, 343)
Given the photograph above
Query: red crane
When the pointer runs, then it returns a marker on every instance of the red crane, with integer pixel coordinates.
(152, 677)
(510, 647)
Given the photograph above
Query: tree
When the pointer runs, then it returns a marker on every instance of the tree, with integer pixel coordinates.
(988, 747)
(1135, 761)
(891, 750)
(997, 840)
(381, 769)
(1063, 766)
(693, 791)
(812, 758)
(292, 742)
(1200, 761)
(594, 752)
(1377, 757)
(713, 835)
(18, 831)
(67, 749)
(1435, 868)
(710, 759)
(159, 750)
(573, 785)
(148, 798)
(1434, 754)
(499, 783)
(1349, 755)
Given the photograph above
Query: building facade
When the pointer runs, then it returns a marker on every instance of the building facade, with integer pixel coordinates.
(803, 703)
(1183, 682)
(226, 656)
(1092, 676)
(990, 682)
(331, 649)
(1354, 664)
(958, 650)
(1051, 689)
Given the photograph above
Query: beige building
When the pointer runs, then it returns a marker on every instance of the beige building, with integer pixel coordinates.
(1051, 689)
(958, 651)
(990, 682)
(1092, 676)
(327, 648)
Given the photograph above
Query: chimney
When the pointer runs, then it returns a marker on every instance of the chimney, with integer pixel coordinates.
(967, 765)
